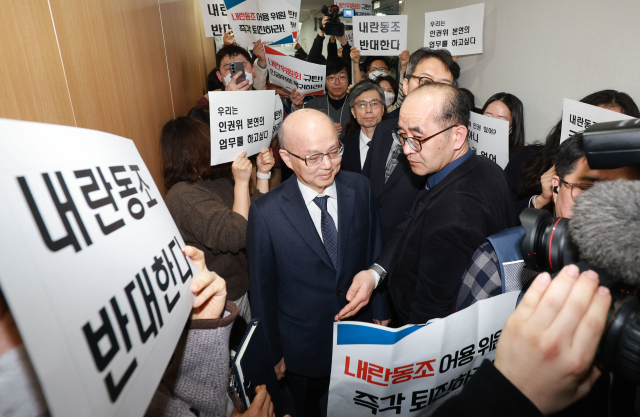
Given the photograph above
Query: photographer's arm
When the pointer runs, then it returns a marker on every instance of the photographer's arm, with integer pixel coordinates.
(545, 352)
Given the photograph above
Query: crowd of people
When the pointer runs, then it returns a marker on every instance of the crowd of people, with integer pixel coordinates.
(370, 205)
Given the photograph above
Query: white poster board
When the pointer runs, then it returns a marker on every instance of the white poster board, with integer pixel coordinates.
(348, 34)
(412, 370)
(214, 18)
(253, 20)
(294, 16)
(278, 116)
(91, 267)
(489, 137)
(578, 116)
(360, 7)
(240, 121)
(380, 35)
(290, 73)
(458, 30)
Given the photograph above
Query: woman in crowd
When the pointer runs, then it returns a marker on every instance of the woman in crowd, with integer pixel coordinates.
(505, 106)
(390, 87)
(531, 170)
(210, 205)
(367, 107)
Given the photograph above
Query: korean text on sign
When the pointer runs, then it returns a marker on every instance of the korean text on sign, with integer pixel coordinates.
(266, 20)
(578, 116)
(380, 35)
(489, 137)
(214, 17)
(361, 8)
(109, 294)
(458, 30)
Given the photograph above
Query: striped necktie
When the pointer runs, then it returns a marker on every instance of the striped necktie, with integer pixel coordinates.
(329, 231)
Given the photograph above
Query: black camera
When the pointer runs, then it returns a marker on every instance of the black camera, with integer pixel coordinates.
(333, 26)
(596, 238)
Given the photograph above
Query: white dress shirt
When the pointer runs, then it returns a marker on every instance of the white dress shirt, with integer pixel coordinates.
(314, 211)
(364, 148)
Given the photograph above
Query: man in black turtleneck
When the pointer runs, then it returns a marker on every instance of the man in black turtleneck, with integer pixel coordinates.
(334, 102)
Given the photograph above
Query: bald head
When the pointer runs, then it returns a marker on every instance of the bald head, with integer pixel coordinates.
(447, 104)
(300, 123)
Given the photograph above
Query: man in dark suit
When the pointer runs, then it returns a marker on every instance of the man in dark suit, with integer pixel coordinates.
(306, 239)
(392, 180)
(465, 200)
(367, 107)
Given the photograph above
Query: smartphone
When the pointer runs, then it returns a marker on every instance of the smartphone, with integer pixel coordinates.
(235, 67)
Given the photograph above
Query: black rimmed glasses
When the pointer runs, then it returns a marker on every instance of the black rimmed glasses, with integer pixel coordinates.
(414, 143)
(576, 188)
(316, 158)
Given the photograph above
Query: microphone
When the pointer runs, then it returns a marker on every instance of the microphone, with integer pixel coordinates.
(606, 228)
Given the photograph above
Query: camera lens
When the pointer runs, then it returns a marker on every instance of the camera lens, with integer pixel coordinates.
(547, 245)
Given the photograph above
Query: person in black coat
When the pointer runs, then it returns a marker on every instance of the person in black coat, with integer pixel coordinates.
(366, 102)
(466, 199)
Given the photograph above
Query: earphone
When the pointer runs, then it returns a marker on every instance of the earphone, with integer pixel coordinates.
(555, 189)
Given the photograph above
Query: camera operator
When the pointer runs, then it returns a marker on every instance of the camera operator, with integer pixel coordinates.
(484, 277)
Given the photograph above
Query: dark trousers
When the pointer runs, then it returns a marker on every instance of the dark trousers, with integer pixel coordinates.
(309, 394)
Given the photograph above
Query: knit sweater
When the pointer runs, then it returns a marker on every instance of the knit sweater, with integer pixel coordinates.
(203, 213)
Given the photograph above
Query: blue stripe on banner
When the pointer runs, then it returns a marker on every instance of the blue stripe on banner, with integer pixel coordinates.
(228, 4)
(354, 334)
(288, 39)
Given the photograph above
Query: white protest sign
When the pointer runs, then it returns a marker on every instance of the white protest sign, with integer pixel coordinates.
(489, 137)
(380, 35)
(290, 73)
(267, 20)
(348, 34)
(214, 17)
(413, 368)
(278, 116)
(360, 7)
(294, 16)
(578, 116)
(458, 30)
(240, 121)
(91, 267)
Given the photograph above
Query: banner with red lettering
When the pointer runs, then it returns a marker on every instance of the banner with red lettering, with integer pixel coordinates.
(290, 73)
(266, 20)
(410, 371)
(360, 7)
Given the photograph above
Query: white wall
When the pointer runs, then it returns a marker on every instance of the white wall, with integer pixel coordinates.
(545, 50)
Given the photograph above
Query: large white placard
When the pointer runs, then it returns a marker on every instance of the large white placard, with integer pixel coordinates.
(290, 73)
(294, 16)
(240, 121)
(266, 20)
(578, 116)
(348, 34)
(360, 7)
(412, 370)
(214, 18)
(489, 137)
(458, 30)
(278, 116)
(380, 35)
(91, 267)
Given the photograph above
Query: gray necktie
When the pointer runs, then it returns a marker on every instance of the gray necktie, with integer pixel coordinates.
(329, 231)
(393, 161)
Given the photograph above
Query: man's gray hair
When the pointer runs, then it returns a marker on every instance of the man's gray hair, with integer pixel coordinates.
(362, 87)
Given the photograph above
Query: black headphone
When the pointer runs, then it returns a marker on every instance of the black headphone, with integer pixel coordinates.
(555, 189)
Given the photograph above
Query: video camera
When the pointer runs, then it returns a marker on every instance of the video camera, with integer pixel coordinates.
(602, 236)
(333, 26)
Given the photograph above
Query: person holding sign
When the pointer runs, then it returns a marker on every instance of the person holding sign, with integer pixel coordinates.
(367, 107)
(234, 53)
(210, 205)
(465, 200)
(305, 240)
(505, 106)
(530, 170)
(334, 103)
(195, 383)
(375, 66)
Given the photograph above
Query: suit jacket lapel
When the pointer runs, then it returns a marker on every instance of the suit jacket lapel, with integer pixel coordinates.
(346, 204)
(294, 208)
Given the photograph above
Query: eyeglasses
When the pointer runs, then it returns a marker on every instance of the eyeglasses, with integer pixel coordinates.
(316, 158)
(414, 143)
(373, 104)
(576, 188)
(337, 80)
(381, 69)
(426, 80)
